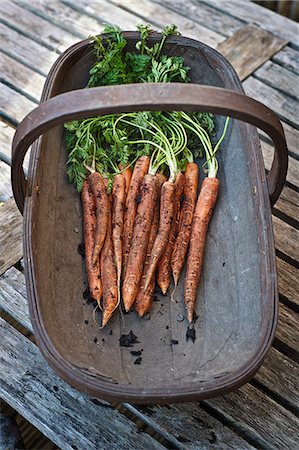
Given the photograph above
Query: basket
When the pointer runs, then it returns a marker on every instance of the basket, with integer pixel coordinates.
(237, 299)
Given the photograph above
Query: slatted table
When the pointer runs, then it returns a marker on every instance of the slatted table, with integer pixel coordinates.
(264, 49)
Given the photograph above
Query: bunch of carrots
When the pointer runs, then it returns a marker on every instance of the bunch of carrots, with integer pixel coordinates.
(142, 216)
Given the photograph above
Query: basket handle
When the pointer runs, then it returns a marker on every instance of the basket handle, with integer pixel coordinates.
(83, 103)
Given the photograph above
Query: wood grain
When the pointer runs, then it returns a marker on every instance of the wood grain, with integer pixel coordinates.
(11, 226)
(287, 108)
(280, 375)
(160, 16)
(257, 416)
(287, 328)
(288, 58)
(279, 78)
(76, 22)
(286, 238)
(288, 277)
(35, 27)
(293, 169)
(205, 15)
(288, 203)
(21, 77)
(247, 42)
(57, 410)
(5, 186)
(14, 105)
(265, 18)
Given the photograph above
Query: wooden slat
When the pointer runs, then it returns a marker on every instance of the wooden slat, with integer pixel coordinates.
(267, 19)
(13, 105)
(287, 108)
(10, 236)
(287, 328)
(64, 415)
(288, 203)
(280, 375)
(246, 42)
(158, 15)
(206, 15)
(286, 238)
(279, 78)
(7, 132)
(106, 13)
(35, 27)
(193, 427)
(293, 169)
(288, 58)
(13, 297)
(5, 186)
(21, 77)
(65, 17)
(25, 50)
(288, 278)
(257, 416)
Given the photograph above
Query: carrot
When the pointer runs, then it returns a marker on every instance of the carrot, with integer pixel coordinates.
(102, 205)
(127, 174)
(203, 212)
(182, 241)
(109, 273)
(140, 170)
(139, 243)
(89, 219)
(164, 269)
(144, 298)
(118, 206)
(165, 223)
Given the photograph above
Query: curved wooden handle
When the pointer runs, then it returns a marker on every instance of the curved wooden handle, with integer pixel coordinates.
(92, 102)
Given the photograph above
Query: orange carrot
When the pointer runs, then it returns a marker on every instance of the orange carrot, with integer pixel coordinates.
(164, 269)
(102, 205)
(127, 174)
(145, 297)
(118, 206)
(89, 218)
(109, 273)
(165, 223)
(203, 212)
(182, 241)
(140, 170)
(139, 243)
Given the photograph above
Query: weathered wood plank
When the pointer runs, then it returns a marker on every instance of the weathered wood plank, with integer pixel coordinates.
(267, 19)
(205, 15)
(288, 203)
(5, 186)
(11, 226)
(21, 77)
(194, 427)
(160, 16)
(287, 328)
(25, 50)
(246, 42)
(256, 416)
(288, 58)
(35, 27)
(14, 105)
(288, 277)
(7, 133)
(106, 13)
(287, 108)
(279, 78)
(13, 297)
(293, 169)
(286, 238)
(57, 410)
(292, 138)
(65, 17)
(280, 375)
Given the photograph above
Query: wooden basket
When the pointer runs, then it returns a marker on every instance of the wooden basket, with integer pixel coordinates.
(237, 299)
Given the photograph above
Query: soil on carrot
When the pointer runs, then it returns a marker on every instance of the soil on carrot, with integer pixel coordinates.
(128, 340)
(190, 334)
(87, 297)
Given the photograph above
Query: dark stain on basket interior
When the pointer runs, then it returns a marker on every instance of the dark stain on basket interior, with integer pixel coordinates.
(237, 302)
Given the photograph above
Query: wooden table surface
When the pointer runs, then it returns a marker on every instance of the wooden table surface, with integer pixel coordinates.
(264, 49)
